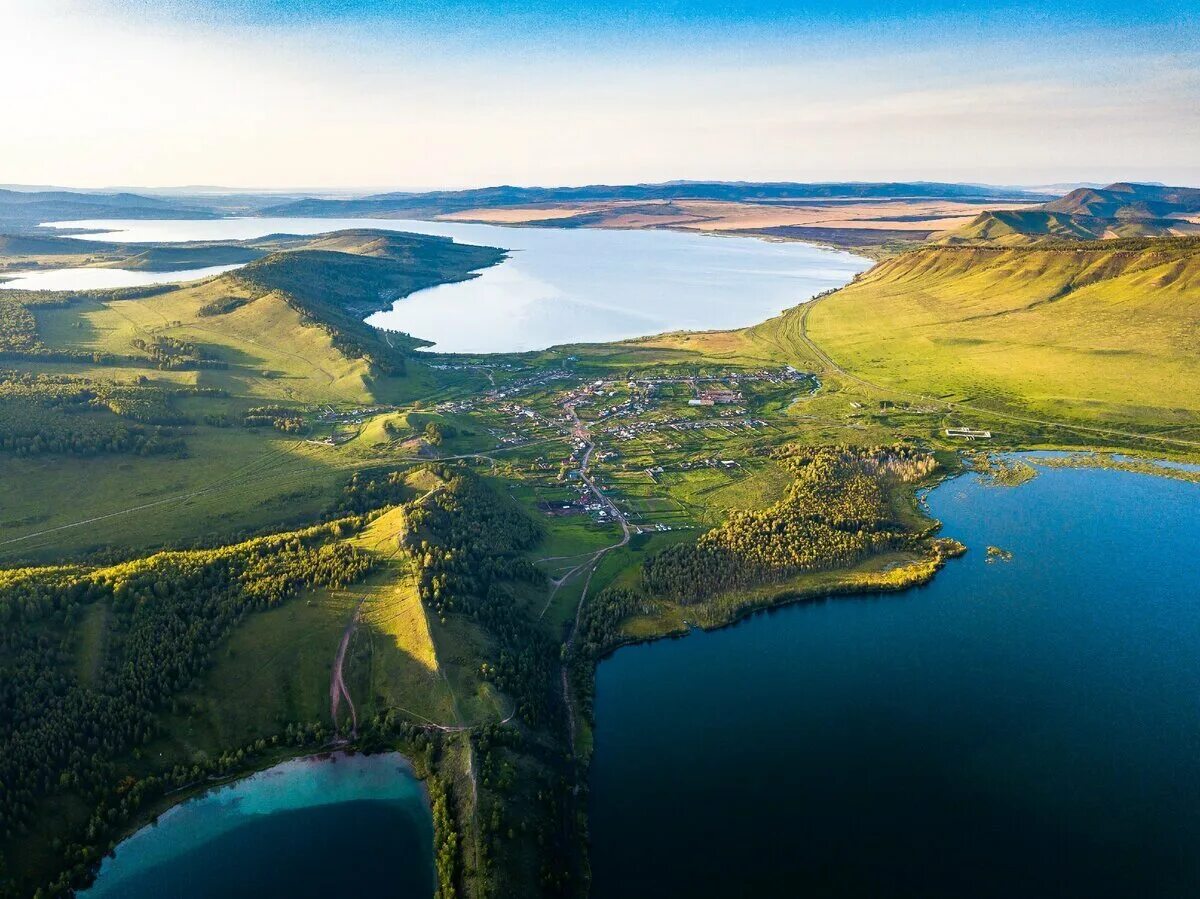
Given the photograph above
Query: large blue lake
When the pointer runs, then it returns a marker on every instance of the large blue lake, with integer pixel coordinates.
(1016, 729)
(559, 285)
(307, 829)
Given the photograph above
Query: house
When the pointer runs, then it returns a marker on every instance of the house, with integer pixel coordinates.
(724, 397)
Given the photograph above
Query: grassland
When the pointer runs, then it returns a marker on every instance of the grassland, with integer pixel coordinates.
(276, 668)
(264, 347)
(1094, 333)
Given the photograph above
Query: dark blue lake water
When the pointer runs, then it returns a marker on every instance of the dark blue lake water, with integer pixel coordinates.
(1017, 729)
(357, 825)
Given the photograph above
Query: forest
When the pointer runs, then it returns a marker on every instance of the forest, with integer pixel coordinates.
(466, 542)
(61, 728)
(835, 512)
(43, 413)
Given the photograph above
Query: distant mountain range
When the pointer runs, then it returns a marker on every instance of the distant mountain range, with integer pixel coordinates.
(1086, 213)
(1118, 210)
(399, 204)
(22, 209)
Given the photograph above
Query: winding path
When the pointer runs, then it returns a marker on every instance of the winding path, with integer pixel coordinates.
(337, 683)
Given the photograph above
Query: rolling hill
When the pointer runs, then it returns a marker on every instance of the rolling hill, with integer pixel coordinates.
(1119, 210)
(22, 209)
(1085, 332)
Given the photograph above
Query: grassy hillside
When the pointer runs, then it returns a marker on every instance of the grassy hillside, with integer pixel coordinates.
(20, 253)
(1018, 227)
(1117, 211)
(1106, 332)
(339, 280)
(1128, 200)
(127, 417)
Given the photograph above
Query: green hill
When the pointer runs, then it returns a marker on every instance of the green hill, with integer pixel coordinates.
(1119, 210)
(1128, 201)
(1088, 331)
(187, 256)
(1021, 226)
(27, 251)
(47, 245)
(341, 278)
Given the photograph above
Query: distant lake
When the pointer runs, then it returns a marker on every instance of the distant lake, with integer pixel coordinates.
(563, 285)
(307, 829)
(102, 278)
(1016, 729)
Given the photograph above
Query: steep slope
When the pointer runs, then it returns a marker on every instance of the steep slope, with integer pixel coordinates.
(1087, 331)
(341, 278)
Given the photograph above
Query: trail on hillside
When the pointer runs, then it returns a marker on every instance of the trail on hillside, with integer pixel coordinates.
(338, 690)
(337, 682)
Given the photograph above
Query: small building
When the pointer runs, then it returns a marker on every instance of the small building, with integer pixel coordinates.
(968, 433)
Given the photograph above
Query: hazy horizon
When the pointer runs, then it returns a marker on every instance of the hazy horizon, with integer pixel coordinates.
(356, 191)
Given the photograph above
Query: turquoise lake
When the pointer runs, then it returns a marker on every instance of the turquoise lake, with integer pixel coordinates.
(347, 825)
(1027, 728)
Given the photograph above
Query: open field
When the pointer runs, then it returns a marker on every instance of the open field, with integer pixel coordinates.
(232, 481)
(1089, 334)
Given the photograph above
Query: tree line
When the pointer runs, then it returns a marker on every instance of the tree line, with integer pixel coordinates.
(466, 541)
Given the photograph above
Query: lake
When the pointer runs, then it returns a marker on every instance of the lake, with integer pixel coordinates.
(102, 278)
(561, 285)
(1022, 728)
(305, 829)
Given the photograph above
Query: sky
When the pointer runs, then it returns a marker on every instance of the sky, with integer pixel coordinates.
(416, 94)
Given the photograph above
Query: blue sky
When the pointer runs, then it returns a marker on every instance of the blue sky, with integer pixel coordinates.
(461, 92)
(772, 12)
(668, 22)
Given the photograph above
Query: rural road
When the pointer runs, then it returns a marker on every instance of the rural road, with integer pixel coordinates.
(581, 431)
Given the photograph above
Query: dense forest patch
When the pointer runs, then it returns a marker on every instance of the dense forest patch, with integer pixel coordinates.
(834, 513)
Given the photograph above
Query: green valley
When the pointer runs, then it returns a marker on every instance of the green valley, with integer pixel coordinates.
(240, 525)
